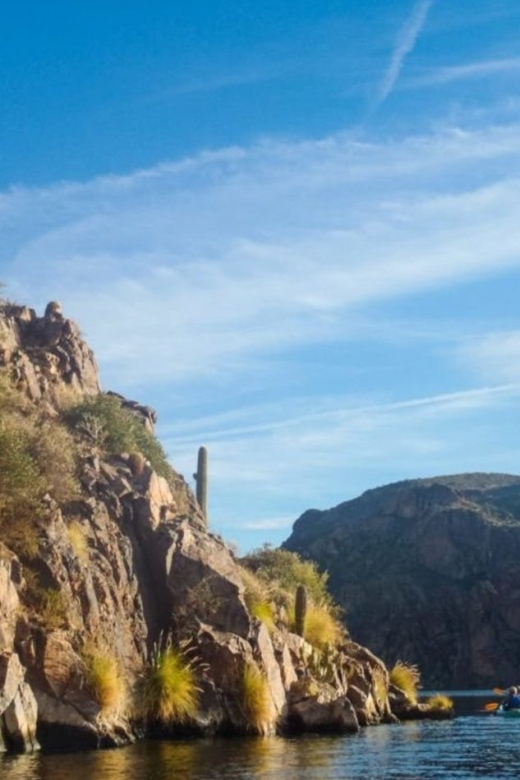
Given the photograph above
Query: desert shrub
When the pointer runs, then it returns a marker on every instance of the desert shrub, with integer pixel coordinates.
(37, 456)
(168, 690)
(439, 701)
(136, 462)
(115, 429)
(78, 540)
(256, 699)
(21, 489)
(288, 570)
(281, 572)
(53, 611)
(11, 399)
(48, 603)
(55, 451)
(257, 596)
(105, 681)
(406, 676)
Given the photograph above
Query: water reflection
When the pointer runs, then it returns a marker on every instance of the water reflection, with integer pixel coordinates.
(465, 749)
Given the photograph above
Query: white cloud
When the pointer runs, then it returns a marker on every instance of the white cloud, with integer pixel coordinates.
(204, 266)
(268, 524)
(405, 45)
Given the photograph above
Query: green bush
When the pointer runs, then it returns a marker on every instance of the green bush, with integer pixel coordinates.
(55, 451)
(37, 456)
(284, 571)
(21, 489)
(115, 429)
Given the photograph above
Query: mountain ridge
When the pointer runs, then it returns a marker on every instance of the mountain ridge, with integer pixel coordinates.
(428, 569)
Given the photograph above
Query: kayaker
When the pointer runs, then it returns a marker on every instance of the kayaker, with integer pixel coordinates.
(512, 700)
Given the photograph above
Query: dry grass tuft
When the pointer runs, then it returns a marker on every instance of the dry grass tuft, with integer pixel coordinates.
(78, 540)
(439, 702)
(256, 700)
(406, 677)
(168, 692)
(258, 598)
(106, 681)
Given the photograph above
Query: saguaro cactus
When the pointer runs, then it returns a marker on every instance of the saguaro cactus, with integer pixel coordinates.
(201, 481)
(300, 610)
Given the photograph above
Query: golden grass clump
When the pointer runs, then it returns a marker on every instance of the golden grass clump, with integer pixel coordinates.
(168, 691)
(78, 540)
(440, 702)
(406, 676)
(256, 700)
(106, 681)
(321, 629)
(258, 598)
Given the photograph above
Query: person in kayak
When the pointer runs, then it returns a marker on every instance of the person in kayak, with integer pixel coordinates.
(512, 700)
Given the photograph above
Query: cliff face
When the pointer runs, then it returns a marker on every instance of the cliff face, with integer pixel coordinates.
(101, 572)
(428, 571)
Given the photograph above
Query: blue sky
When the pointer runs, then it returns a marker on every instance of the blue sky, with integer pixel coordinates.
(293, 228)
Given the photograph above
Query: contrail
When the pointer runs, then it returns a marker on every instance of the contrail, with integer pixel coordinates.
(405, 44)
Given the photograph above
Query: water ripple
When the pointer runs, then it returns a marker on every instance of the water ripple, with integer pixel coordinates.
(465, 749)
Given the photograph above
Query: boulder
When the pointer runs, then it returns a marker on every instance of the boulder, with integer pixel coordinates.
(18, 708)
(316, 707)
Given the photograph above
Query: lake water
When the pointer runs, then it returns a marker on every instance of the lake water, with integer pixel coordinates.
(470, 747)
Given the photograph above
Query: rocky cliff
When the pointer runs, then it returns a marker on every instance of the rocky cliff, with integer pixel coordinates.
(105, 558)
(428, 571)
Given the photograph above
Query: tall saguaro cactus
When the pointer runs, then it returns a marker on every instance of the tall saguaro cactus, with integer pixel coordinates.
(300, 610)
(201, 480)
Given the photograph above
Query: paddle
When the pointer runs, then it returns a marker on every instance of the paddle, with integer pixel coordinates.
(500, 691)
(492, 705)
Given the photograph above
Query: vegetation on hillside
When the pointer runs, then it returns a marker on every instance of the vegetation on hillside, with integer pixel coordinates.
(109, 426)
(38, 455)
(271, 579)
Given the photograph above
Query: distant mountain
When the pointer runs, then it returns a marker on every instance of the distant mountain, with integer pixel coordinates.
(428, 571)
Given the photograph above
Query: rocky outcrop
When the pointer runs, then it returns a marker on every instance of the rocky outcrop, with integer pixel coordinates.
(122, 563)
(427, 571)
(46, 355)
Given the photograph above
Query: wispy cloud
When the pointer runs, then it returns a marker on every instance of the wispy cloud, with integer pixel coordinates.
(404, 46)
(473, 70)
(207, 265)
(290, 462)
(492, 355)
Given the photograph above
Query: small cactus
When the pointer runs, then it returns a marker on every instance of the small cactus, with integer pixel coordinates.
(300, 610)
(201, 480)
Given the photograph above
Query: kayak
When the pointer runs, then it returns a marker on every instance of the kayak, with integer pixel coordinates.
(507, 713)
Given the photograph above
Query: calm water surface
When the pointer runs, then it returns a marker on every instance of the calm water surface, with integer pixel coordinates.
(464, 749)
